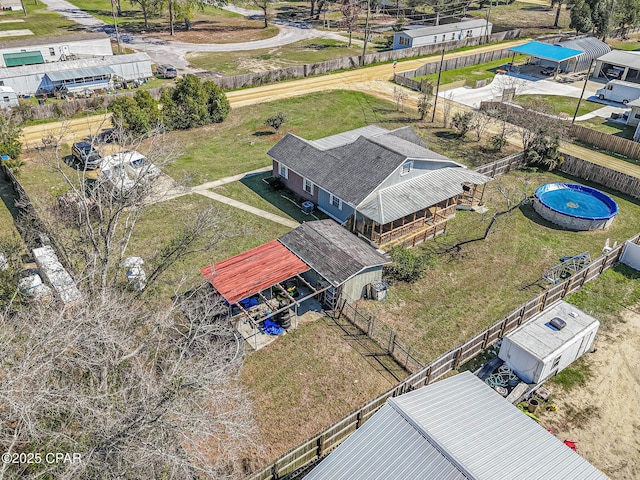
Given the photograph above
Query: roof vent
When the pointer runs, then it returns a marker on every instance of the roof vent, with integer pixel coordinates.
(558, 323)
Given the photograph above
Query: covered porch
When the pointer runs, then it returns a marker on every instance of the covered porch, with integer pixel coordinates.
(268, 289)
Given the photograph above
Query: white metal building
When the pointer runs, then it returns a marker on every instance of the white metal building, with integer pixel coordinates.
(455, 429)
(30, 51)
(549, 343)
(416, 37)
(8, 97)
(29, 79)
(618, 65)
(11, 5)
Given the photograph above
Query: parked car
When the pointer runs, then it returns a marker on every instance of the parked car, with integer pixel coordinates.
(86, 155)
(127, 171)
(619, 91)
(166, 71)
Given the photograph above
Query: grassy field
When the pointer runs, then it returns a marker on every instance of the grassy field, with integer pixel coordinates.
(558, 104)
(470, 74)
(630, 45)
(306, 51)
(305, 381)
(470, 290)
(41, 21)
(257, 193)
(532, 18)
(604, 125)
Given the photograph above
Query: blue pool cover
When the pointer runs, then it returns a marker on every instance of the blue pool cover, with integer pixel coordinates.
(546, 51)
(577, 201)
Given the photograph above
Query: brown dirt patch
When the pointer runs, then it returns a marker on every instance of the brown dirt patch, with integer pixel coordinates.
(602, 415)
(229, 30)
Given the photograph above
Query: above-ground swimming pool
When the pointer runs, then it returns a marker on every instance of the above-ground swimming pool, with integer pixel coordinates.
(575, 207)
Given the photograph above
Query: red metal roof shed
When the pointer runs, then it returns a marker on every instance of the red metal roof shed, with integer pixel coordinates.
(252, 271)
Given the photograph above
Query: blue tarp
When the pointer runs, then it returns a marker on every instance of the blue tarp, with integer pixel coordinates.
(546, 51)
(272, 328)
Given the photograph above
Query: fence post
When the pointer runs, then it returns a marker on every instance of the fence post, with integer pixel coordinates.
(370, 326)
(485, 339)
(392, 342)
(359, 419)
(407, 360)
(456, 361)
(320, 446)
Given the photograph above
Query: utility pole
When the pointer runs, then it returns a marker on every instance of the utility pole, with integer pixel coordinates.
(435, 100)
(366, 33)
(115, 24)
(486, 28)
(584, 87)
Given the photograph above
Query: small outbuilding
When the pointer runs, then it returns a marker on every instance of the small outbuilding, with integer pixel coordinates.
(417, 37)
(455, 429)
(550, 342)
(545, 54)
(8, 97)
(618, 65)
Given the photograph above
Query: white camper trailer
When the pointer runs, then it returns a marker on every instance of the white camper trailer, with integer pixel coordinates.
(549, 343)
(8, 97)
(619, 91)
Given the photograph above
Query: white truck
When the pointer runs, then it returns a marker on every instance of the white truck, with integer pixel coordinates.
(619, 91)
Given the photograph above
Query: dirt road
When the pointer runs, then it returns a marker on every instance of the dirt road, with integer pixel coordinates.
(603, 416)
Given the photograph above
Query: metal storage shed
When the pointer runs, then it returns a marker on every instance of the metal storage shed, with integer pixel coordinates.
(543, 346)
(592, 48)
(627, 63)
(79, 79)
(454, 429)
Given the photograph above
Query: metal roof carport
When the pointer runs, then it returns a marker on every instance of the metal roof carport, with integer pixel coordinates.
(546, 51)
(80, 78)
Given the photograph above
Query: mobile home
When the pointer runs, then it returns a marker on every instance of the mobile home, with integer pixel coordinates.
(8, 97)
(549, 343)
(619, 91)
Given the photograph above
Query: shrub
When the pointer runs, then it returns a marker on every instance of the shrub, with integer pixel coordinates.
(276, 121)
(408, 265)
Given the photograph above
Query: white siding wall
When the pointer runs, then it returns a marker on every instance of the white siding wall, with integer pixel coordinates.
(442, 37)
(354, 287)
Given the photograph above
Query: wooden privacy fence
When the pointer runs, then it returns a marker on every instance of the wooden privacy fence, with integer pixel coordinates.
(605, 141)
(319, 68)
(597, 173)
(502, 166)
(323, 443)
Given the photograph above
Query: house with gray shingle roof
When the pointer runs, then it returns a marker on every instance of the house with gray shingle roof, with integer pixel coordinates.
(384, 185)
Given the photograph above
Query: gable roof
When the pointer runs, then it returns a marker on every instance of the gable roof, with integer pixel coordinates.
(332, 251)
(396, 201)
(54, 40)
(446, 28)
(457, 428)
(352, 171)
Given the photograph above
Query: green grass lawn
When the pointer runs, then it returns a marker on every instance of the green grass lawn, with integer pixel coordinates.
(299, 53)
(470, 74)
(558, 104)
(605, 125)
(304, 382)
(256, 192)
(240, 143)
(630, 45)
(41, 21)
(468, 291)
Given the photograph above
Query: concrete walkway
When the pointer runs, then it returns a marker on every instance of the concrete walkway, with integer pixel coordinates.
(234, 178)
(248, 208)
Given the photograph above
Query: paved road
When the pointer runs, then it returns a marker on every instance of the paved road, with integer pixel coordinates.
(162, 51)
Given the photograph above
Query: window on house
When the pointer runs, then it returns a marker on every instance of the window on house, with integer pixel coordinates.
(556, 362)
(406, 167)
(435, 39)
(284, 171)
(453, 36)
(52, 51)
(335, 201)
(609, 87)
(637, 115)
(308, 186)
(444, 38)
(469, 33)
(5, 99)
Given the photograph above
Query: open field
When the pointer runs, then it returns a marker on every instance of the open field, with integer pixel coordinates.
(534, 18)
(306, 51)
(305, 381)
(42, 22)
(592, 393)
(470, 290)
(470, 74)
(558, 104)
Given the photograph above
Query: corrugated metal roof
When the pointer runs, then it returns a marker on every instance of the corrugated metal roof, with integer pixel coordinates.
(51, 67)
(592, 48)
(460, 425)
(396, 201)
(22, 58)
(252, 271)
(546, 51)
(622, 58)
(447, 28)
(70, 74)
(540, 340)
(332, 251)
(54, 40)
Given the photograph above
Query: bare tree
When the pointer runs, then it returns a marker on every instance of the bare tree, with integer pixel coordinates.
(425, 98)
(447, 104)
(350, 10)
(135, 390)
(399, 96)
(480, 125)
